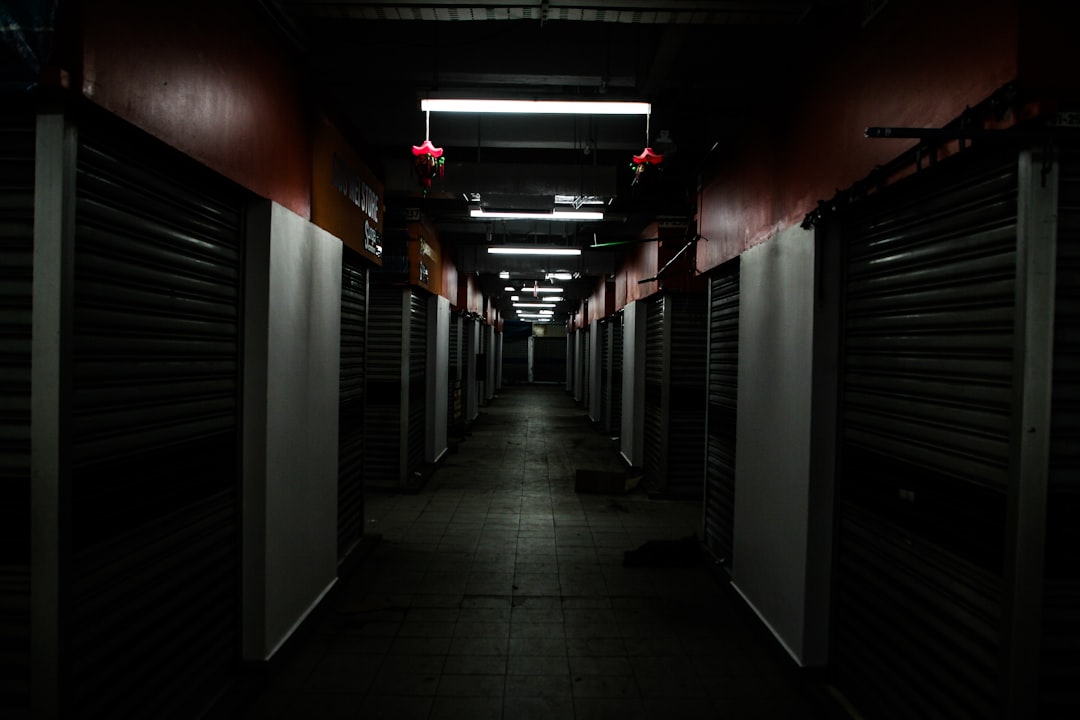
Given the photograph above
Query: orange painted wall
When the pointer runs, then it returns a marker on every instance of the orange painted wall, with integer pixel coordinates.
(424, 247)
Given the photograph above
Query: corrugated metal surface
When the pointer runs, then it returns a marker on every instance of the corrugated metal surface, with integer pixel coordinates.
(382, 415)
(925, 435)
(919, 631)
(723, 386)
(455, 406)
(611, 373)
(683, 12)
(654, 451)
(354, 277)
(418, 338)
(155, 571)
(687, 384)
(16, 276)
(1060, 681)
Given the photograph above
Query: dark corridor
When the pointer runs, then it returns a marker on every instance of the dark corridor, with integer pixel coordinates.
(498, 591)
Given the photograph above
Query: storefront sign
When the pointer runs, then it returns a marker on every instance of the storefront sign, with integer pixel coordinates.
(346, 196)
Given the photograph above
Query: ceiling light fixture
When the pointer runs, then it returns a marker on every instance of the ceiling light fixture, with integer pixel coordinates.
(536, 107)
(579, 200)
(534, 305)
(560, 215)
(558, 276)
(548, 290)
(507, 250)
(504, 275)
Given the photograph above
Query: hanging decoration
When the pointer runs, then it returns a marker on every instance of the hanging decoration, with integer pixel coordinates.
(428, 160)
(646, 158)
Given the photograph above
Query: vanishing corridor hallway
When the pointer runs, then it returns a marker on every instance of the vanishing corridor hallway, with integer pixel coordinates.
(497, 591)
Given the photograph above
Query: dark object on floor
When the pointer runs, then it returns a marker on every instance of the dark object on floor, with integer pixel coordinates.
(665, 553)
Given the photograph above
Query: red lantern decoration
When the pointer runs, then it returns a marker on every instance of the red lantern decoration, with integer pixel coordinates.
(643, 161)
(428, 163)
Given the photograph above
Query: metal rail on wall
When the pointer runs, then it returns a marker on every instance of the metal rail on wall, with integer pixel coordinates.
(964, 130)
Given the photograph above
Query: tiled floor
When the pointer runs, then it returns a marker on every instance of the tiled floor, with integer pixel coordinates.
(499, 592)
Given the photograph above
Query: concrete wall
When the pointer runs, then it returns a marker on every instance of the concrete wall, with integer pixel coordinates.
(291, 366)
(595, 359)
(438, 376)
(772, 466)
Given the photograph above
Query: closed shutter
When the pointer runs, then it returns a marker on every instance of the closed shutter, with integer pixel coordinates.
(1060, 681)
(468, 369)
(549, 359)
(382, 416)
(723, 386)
(686, 385)
(924, 449)
(154, 431)
(655, 431)
(354, 276)
(418, 334)
(514, 350)
(17, 138)
(454, 405)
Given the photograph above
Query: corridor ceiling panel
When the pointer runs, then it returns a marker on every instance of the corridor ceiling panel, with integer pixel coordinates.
(702, 65)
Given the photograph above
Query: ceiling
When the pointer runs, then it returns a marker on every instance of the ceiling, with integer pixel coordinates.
(702, 66)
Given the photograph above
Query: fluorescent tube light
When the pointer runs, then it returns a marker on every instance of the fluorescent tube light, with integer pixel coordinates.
(509, 289)
(533, 305)
(503, 250)
(536, 107)
(558, 276)
(548, 290)
(504, 275)
(578, 200)
(560, 215)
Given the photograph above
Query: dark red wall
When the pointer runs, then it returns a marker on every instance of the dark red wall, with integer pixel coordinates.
(918, 63)
(209, 78)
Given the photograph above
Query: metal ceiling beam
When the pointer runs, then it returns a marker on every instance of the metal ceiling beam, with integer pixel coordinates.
(744, 12)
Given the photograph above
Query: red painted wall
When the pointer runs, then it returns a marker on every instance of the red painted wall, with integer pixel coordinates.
(918, 63)
(640, 262)
(450, 289)
(208, 78)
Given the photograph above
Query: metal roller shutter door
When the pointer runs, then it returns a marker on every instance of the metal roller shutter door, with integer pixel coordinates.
(654, 454)
(382, 416)
(723, 385)
(354, 276)
(17, 135)
(611, 367)
(686, 405)
(417, 379)
(924, 451)
(1060, 681)
(154, 431)
(454, 410)
(549, 359)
